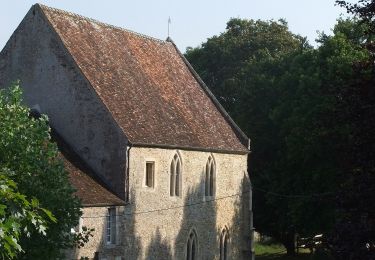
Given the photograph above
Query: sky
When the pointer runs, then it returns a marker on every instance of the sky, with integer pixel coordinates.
(192, 22)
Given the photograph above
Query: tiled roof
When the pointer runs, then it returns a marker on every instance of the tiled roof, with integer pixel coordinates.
(89, 188)
(147, 85)
(89, 191)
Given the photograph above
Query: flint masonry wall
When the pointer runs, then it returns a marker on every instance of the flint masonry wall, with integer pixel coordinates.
(52, 83)
(157, 225)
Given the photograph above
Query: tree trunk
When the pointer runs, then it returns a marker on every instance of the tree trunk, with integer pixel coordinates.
(289, 243)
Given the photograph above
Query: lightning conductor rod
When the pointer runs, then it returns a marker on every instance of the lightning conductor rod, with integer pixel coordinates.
(169, 22)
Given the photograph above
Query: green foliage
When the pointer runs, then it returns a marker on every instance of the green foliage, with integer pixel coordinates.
(365, 11)
(18, 216)
(27, 152)
(81, 238)
(312, 139)
(356, 199)
(242, 56)
(268, 249)
(287, 97)
(277, 252)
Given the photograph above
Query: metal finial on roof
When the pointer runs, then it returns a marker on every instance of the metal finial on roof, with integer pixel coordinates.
(169, 22)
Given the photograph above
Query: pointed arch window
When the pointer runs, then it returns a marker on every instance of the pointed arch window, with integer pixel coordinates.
(175, 175)
(224, 244)
(210, 177)
(192, 247)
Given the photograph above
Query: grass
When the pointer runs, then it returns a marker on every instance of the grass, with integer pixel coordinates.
(266, 249)
(278, 252)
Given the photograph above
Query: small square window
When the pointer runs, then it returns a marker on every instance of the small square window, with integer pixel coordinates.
(150, 170)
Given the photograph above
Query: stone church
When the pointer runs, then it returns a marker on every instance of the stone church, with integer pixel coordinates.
(160, 167)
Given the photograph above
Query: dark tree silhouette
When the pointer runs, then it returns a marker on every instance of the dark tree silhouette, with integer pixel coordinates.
(354, 233)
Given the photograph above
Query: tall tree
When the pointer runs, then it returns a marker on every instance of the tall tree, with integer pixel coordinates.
(285, 95)
(356, 201)
(247, 46)
(27, 152)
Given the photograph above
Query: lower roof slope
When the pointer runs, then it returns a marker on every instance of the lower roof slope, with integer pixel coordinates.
(89, 188)
(145, 84)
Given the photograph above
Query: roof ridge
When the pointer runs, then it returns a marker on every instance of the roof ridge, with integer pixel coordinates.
(42, 6)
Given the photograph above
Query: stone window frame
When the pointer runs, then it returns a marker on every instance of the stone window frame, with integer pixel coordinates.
(191, 241)
(112, 226)
(175, 169)
(154, 181)
(224, 244)
(210, 173)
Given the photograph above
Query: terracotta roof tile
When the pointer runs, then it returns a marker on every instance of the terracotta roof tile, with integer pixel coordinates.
(90, 191)
(89, 188)
(146, 85)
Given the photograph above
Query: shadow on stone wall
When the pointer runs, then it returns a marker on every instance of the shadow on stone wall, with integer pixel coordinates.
(199, 216)
(130, 240)
(240, 231)
(158, 248)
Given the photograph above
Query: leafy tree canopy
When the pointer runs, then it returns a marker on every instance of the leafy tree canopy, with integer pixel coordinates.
(18, 216)
(356, 200)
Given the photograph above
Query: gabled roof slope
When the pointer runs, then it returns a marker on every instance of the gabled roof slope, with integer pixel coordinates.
(146, 85)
